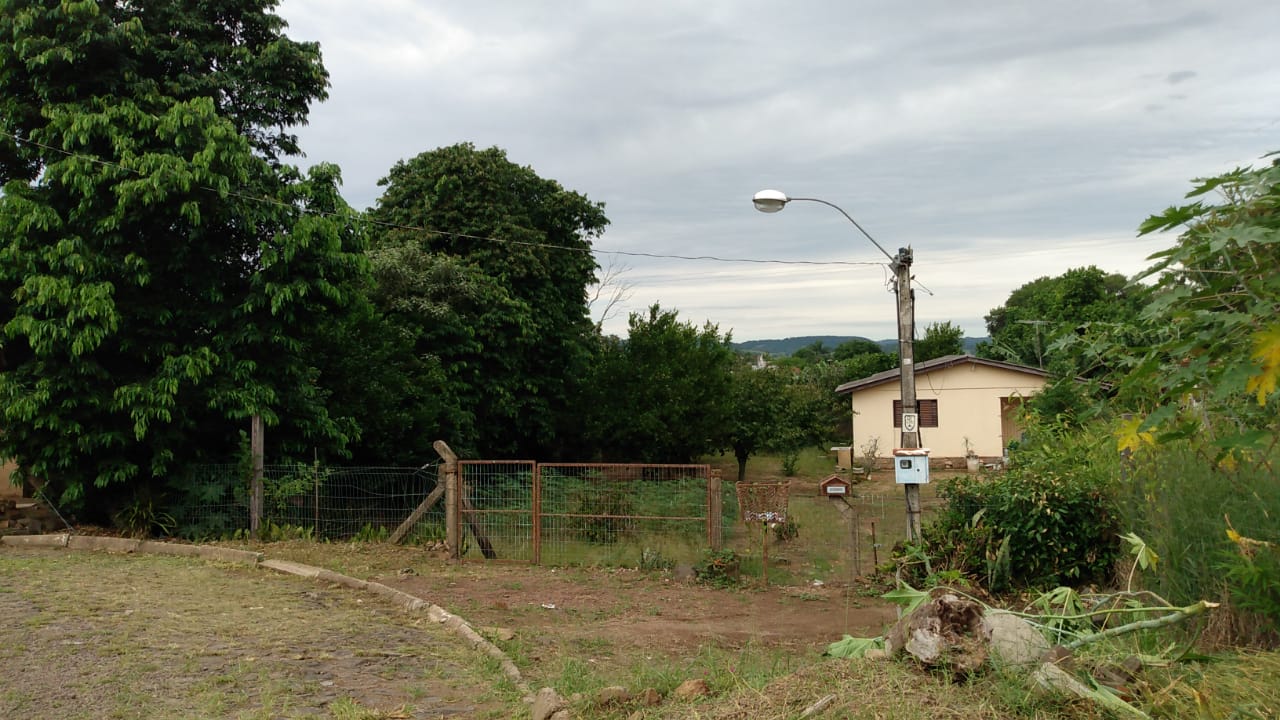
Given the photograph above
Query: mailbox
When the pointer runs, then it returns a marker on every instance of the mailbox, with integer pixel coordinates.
(834, 486)
(911, 466)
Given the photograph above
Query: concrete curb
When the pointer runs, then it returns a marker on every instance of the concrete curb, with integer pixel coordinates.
(35, 540)
(108, 544)
(129, 545)
(412, 603)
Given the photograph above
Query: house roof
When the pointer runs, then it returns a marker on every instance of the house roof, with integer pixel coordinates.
(928, 366)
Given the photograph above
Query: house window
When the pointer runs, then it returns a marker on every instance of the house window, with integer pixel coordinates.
(927, 409)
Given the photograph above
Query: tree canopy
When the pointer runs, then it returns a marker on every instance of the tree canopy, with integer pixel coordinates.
(1024, 328)
(772, 410)
(940, 339)
(661, 395)
(151, 297)
(513, 347)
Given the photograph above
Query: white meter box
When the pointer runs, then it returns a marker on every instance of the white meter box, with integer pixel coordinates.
(911, 466)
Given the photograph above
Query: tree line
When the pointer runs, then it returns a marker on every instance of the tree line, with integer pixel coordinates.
(167, 273)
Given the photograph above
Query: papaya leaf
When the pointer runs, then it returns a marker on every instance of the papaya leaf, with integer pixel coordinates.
(906, 596)
(852, 647)
(1266, 352)
(1143, 554)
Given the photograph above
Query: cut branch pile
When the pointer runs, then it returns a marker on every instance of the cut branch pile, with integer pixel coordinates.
(28, 518)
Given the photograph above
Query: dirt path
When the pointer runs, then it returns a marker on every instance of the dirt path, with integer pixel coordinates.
(609, 615)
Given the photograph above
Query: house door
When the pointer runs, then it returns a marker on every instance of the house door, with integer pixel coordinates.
(1010, 420)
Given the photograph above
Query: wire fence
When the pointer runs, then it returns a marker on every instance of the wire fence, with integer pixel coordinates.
(310, 502)
(828, 539)
(646, 516)
(582, 514)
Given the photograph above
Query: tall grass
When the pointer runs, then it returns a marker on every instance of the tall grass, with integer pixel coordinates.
(1179, 500)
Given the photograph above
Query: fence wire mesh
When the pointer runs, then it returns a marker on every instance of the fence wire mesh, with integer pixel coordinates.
(629, 515)
(581, 513)
(497, 503)
(310, 502)
(832, 540)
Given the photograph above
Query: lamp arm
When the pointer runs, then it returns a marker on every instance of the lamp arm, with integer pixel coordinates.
(850, 219)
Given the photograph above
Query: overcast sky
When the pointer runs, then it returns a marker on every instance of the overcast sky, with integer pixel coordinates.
(1003, 141)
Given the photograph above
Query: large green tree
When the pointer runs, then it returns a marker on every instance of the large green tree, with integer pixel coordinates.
(515, 346)
(159, 269)
(661, 395)
(1024, 329)
(771, 410)
(940, 339)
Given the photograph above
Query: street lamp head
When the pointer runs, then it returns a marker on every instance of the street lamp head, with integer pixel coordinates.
(770, 201)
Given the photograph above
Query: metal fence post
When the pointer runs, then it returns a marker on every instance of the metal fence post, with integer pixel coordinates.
(715, 510)
(536, 513)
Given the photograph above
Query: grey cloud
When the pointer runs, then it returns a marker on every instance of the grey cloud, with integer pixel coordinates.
(1004, 142)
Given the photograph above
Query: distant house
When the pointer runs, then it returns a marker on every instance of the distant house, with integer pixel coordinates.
(7, 488)
(957, 397)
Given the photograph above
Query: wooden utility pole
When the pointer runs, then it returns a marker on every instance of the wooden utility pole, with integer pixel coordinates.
(907, 370)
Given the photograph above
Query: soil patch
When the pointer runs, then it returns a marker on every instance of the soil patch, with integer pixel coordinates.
(610, 615)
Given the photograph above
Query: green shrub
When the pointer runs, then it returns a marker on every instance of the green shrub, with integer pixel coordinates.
(718, 568)
(142, 517)
(790, 462)
(786, 530)
(1027, 528)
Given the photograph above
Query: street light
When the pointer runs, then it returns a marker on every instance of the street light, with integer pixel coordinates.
(772, 201)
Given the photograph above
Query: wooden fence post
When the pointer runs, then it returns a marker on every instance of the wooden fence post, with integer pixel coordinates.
(255, 485)
(451, 505)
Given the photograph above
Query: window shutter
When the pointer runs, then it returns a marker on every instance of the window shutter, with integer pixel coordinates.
(926, 409)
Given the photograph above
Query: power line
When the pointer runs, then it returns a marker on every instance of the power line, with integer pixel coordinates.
(429, 231)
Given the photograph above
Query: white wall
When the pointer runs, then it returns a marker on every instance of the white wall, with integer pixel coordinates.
(968, 398)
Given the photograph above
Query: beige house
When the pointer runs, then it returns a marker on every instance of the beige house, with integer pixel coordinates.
(7, 488)
(957, 397)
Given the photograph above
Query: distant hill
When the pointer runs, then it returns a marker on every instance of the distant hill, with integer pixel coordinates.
(786, 346)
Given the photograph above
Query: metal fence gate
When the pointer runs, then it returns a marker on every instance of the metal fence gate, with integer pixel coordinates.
(641, 515)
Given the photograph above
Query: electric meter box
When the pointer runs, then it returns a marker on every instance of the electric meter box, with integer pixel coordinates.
(911, 466)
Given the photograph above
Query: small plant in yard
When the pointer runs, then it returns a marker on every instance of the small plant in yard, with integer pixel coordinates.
(870, 453)
(273, 532)
(790, 462)
(718, 568)
(786, 530)
(143, 517)
(372, 533)
(652, 559)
